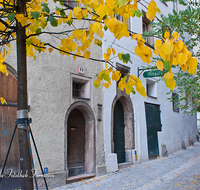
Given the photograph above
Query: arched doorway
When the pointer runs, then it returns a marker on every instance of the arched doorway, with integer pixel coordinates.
(118, 132)
(75, 143)
(80, 111)
(123, 107)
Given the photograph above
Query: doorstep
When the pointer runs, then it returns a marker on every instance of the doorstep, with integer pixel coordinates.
(79, 177)
(124, 165)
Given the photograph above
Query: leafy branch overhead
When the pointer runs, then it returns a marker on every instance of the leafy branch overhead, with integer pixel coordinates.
(184, 21)
(96, 17)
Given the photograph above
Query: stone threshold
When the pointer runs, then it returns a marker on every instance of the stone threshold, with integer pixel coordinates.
(79, 177)
(124, 165)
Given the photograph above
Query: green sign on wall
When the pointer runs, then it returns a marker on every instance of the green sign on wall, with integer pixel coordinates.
(155, 73)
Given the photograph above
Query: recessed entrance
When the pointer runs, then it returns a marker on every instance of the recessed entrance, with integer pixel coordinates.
(153, 125)
(118, 132)
(76, 143)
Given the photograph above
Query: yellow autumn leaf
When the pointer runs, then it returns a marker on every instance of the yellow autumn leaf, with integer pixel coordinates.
(106, 85)
(8, 45)
(3, 69)
(175, 35)
(166, 35)
(192, 63)
(73, 45)
(22, 19)
(57, 12)
(113, 51)
(108, 50)
(168, 47)
(180, 45)
(2, 27)
(125, 16)
(3, 101)
(160, 65)
(169, 80)
(86, 54)
(181, 59)
(174, 61)
(8, 52)
(95, 26)
(60, 21)
(69, 16)
(77, 12)
(106, 56)
(50, 50)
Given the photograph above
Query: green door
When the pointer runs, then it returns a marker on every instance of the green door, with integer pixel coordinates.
(118, 132)
(153, 125)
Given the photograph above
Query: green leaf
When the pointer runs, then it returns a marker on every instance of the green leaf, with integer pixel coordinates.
(11, 16)
(166, 65)
(29, 41)
(62, 3)
(46, 8)
(126, 58)
(34, 57)
(133, 90)
(105, 27)
(35, 14)
(120, 56)
(106, 77)
(53, 21)
(38, 31)
(70, 22)
(138, 13)
(124, 79)
(99, 43)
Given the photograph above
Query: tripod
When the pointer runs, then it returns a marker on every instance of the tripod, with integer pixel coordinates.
(26, 121)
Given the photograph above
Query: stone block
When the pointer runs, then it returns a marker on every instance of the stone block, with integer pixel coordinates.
(101, 170)
(191, 142)
(164, 150)
(111, 163)
(128, 155)
(183, 144)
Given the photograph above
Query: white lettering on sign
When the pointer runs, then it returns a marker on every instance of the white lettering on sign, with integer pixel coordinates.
(81, 70)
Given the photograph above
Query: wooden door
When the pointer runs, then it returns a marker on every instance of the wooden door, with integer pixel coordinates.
(8, 115)
(118, 132)
(153, 125)
(76, 143)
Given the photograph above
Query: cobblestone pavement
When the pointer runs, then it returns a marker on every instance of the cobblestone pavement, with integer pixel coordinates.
(180, 170)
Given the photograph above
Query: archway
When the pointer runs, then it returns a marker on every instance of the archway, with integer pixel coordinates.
(118, 132)
(124, 103)
(75, 143)
(79, 119)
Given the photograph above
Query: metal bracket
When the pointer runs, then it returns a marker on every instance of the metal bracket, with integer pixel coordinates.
(23, 121)
(142, 70)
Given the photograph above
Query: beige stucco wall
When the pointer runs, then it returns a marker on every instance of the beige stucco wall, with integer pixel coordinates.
(49, 97)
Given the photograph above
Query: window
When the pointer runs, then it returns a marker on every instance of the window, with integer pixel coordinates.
(146, 27)
(175, 102)
(151, 88)
(72, 3)
(120, 18)
(124, 71)
(80, 87)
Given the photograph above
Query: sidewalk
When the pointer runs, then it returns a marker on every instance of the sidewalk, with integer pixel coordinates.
(180, 170)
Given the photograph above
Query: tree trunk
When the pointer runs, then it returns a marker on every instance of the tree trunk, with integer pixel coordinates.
(22, 112)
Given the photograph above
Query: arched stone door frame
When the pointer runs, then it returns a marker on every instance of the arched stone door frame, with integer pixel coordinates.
(129, 133)
(90, 151)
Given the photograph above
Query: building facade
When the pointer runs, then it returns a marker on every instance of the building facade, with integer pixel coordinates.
(138, 128)
(79, 129)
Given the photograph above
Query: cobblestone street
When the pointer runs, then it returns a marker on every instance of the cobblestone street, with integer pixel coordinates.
(180, 170)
